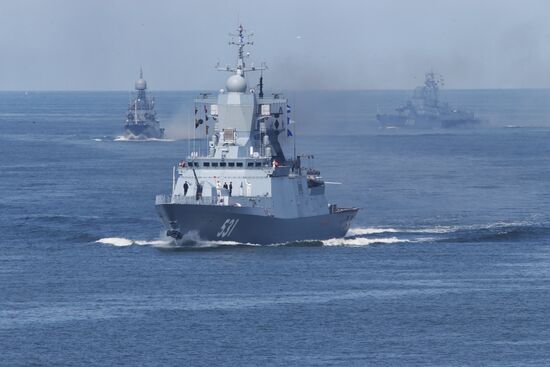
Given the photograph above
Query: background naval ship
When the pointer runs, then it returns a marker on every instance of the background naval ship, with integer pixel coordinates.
(141, 120)
(425, 110)
(250, 186)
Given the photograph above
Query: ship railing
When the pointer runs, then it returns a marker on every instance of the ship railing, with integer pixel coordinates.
(163, 199)
(191, 199)
(224, 200)
(180, 199)
(333, 209)
(280, 171)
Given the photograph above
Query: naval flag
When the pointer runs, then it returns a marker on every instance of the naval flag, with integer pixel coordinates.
(288, 132)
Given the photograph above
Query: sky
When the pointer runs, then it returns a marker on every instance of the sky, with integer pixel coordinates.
(334, 45)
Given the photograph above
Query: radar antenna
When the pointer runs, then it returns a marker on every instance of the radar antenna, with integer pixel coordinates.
(431, 87)
(241, 39)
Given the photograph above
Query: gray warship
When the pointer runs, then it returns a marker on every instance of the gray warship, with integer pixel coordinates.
(141, 121)
(249, 186)
(425, 110)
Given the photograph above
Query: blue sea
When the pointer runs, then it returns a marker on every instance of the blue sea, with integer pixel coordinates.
(446, 264)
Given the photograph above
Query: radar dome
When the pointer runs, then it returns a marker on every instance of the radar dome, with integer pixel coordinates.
(141, 84)
(236, 83)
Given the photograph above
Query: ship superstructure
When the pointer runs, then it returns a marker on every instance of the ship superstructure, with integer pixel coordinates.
(425, 110)
(141, 119)
(250, 186)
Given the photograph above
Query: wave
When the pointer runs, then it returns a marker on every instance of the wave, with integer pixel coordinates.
(441, 229)
(168, 243)
(496, 228)
(124, 242)
(133, 138)
(362, 231)
(362, 241)
(116, 241)
(369, 230)
(486, 232)
(365, 236)
(507, 233)
(191, 244)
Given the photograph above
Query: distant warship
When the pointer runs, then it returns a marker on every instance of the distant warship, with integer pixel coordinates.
(250, 186)
(141, 120)
(424, 110)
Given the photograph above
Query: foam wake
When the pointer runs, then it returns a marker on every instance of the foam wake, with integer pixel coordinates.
(115, 241)
(441, 229)
(124, 242)
(482, 232)
(189, 241)
(362, 241)
(369, 230)
(365, 236)
(134, 138)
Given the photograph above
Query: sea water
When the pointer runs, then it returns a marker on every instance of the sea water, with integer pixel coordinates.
(447, 262)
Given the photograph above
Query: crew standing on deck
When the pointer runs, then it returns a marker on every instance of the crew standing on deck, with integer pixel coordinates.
(218, 189)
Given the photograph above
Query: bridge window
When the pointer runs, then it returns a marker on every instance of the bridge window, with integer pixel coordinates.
(231, 164)
(239, 164)
(250, 164)
(196, 164)
(214, 164)
(258, 164)
(206, 164)
(222, 164)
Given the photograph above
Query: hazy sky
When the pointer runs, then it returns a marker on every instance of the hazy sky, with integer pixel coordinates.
(344, 44)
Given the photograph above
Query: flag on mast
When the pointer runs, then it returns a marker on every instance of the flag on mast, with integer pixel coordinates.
(288, 132)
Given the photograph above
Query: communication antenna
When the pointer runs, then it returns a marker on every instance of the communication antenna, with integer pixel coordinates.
(261, 85)
(241, 39)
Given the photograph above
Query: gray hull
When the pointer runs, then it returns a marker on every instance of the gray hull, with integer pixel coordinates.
(425, 122)
(144, 131)
(391, 120)
(226, 223)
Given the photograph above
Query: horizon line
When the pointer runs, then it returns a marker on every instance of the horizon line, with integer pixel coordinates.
(274, 91)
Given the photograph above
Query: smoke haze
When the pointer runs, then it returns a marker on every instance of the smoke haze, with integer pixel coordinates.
(100, 44)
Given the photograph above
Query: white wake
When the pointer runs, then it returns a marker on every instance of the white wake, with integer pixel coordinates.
(362, 241)
(124, 242)
(133, 138)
